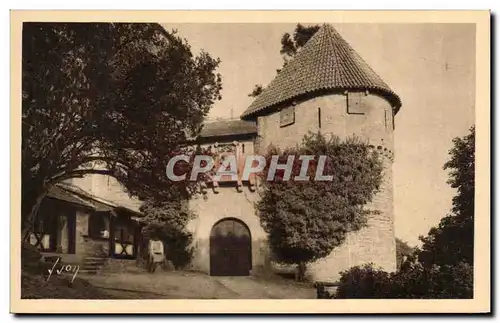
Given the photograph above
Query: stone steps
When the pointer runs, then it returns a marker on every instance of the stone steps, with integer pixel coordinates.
(93, 265)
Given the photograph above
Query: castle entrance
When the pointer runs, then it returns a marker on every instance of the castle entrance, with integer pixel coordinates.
(230, 248)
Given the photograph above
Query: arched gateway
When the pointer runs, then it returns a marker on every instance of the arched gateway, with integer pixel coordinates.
(230, 248)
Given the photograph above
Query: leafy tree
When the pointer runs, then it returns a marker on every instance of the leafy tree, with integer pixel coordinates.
(110, 99)
(301, 35)
(167, 221)
(290, 45)
(452, 241)
(306, 220)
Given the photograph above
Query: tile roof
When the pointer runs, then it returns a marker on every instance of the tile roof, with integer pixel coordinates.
(61, 194)
(222, 128)
(97, 203)
(326, 61)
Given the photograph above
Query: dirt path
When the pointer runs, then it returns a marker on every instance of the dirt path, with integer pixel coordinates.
(175, 285)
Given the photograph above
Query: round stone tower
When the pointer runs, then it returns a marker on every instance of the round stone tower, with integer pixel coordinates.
(329, 88)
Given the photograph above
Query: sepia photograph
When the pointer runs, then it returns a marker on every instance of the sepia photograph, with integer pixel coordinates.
(308, 160)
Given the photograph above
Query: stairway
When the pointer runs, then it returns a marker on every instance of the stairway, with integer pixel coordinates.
(52, 259)
(92, 265)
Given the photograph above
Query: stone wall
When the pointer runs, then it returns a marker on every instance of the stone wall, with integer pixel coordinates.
(107, 188)
(370, 120)
(375, 125)
(228, 203)
(85, 245)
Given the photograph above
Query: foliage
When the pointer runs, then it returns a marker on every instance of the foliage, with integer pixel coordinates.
(443, 268)
(167, 222)
(111, 99)
(301, 35)
(256, 91)
(414, 282)
(402, 250)
(452, 241)
(306, 220)
(363, 282)
(290, 45)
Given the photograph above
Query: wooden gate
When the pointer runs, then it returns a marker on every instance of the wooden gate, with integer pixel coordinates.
(230, 248)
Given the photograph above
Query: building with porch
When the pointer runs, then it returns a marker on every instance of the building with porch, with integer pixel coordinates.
(326, 87)
(80, 226)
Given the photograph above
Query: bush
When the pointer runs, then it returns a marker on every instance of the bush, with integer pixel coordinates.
(177, 243)
(179, 249)
(363, 282)
(414, 281)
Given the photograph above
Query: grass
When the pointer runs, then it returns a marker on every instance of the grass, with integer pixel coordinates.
(36, 286)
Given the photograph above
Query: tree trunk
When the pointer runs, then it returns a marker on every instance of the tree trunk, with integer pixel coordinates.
(301, 271)
(29, 219)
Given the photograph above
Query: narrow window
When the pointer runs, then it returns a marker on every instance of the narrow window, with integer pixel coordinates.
(389, 120)
(287, 116)
(319, 118)
(243, 148)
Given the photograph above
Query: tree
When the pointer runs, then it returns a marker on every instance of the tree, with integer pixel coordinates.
(403, 250)
(306, 220)
(167, 221)
(452, 241)
(256, 91)
(290, 45)
(110, 99)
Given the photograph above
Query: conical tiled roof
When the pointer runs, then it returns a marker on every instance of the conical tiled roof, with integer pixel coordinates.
(326, 61)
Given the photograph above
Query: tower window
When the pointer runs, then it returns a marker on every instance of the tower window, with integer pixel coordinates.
(388, 120)
(355, 103)
(243, 148)
(319, 118)
(287, 116)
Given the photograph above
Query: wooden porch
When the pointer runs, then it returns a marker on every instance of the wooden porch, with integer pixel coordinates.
(69, 224)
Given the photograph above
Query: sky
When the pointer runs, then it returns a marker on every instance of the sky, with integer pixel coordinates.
(430, 66)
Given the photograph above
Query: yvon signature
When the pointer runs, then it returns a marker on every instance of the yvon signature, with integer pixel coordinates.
(67, 268)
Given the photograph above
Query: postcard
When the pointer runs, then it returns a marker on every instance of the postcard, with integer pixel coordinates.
(250, 162)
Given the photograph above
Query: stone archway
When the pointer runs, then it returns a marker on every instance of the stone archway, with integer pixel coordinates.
(230, 248)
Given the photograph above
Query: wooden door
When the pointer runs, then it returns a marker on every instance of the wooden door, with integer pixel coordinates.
(230, 249)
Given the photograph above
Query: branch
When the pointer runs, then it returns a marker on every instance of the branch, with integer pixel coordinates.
(79, 174)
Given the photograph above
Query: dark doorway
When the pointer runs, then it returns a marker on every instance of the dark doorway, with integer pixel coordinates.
(230, 248)
(72, 233)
